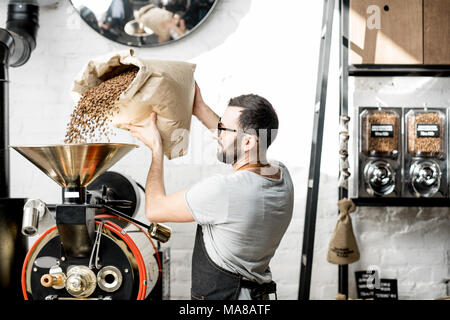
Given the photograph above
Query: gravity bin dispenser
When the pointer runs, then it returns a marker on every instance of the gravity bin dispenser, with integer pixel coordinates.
(95, 248)
(426, 153)
(380, 152)
(400, 153)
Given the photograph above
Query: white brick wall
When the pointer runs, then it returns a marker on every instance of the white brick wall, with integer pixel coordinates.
(264, 47)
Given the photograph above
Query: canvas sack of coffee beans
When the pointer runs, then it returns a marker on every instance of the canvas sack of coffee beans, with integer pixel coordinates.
(120, 89)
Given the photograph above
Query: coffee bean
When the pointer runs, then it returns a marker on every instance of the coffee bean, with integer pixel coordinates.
(90, 121)
(381, 144)
(419, 144)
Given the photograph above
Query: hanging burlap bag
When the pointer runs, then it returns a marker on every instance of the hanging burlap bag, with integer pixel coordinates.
(165, 87)
(343, 248)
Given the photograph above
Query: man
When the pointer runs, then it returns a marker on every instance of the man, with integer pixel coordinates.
(241, 216)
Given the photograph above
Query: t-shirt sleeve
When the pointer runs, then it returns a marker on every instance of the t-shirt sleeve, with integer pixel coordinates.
(208, 200)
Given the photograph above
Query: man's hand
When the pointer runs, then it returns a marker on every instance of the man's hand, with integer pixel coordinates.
(148, 133)
(158, 206)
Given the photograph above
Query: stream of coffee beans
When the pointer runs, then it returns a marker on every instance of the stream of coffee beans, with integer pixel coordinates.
(90, 121)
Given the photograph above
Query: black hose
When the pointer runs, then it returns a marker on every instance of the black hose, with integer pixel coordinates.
(140, 186)
(123, 215)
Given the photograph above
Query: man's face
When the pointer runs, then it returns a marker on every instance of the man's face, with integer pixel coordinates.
(228, 143)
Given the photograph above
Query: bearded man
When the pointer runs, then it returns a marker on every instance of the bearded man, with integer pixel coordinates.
(241, 216)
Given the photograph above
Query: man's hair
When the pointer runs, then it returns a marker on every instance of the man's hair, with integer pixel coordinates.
(257, 115)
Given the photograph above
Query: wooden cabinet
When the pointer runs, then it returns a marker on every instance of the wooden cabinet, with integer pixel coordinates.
(436, 31)
(386, 31)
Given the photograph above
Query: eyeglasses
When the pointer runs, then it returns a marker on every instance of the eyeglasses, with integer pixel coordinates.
(220, 129)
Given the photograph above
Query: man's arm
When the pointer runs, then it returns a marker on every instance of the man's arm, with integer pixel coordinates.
(203, 112)
(158, 206)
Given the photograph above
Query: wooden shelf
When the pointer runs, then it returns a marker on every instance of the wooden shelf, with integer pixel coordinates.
(399, 70)
(402, 202)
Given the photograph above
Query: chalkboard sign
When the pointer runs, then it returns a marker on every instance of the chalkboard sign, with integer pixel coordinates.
(370, 286)
(365, 283)
(387, 290)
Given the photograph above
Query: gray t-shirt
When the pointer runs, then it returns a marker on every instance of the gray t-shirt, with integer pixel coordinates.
(243, 216)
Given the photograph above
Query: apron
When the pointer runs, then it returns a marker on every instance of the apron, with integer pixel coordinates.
(211, 282)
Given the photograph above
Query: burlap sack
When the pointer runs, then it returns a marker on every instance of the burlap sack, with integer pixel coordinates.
(343, 248)
(156, 19)
(165, 87)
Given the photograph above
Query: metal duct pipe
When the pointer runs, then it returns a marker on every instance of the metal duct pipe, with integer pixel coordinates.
(17, 42)
(4, 116)
(22, 23)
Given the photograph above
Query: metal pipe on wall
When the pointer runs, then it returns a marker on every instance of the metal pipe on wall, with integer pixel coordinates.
(4, 117)
(17, 42)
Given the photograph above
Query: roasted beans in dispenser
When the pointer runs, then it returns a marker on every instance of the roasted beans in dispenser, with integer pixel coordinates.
(379, 152)
(426, 152)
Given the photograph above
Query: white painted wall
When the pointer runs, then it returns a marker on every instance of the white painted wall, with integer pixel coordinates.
(247, 46)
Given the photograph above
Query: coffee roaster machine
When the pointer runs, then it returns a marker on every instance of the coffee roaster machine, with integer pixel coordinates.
(97, 247)
(91, 246)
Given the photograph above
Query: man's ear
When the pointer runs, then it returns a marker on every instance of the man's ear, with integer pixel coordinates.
(249, 142)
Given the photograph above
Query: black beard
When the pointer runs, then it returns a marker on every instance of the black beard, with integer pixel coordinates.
(229, 156)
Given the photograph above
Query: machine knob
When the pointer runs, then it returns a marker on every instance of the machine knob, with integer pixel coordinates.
(53, 280)
(159, 232)
(81, 281)
(76, 284)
